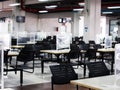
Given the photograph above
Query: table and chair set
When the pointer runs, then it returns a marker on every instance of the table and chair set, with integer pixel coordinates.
(69, 54)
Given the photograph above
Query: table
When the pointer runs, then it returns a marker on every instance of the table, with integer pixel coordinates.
(17, 46)
(13, 53)
(110, 51)
(10, 55)
(99, 83)
(106, 50)
(57, 53)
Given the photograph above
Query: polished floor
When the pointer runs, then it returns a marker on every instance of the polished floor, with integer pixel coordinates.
(37, 80)
(47, 86)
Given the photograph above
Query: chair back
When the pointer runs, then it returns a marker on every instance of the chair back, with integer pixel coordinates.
(74, 52)
(91, 42)
(97, 69)
(62, 74)
(26, 55)
(91, 54)
(6, 57)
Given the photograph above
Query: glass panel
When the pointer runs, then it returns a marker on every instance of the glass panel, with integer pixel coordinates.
(113, 31)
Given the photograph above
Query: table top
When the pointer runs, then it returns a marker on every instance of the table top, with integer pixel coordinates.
(13, 53)
(64, 51)
(99, 83)
(56, 51)
(106, 50)
(17, 46)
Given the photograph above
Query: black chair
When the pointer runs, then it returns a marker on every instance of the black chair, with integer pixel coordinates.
(91, 42)
(97, 69)
(26, 55)
(62, 74)
(6, 65)
(91, 54)
(6, 60)
(73, 54)
(13, 41)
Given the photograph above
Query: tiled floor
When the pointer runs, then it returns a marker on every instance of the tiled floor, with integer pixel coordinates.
(13, 80)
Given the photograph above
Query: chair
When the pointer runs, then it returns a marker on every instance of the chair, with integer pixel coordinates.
(6, 69)
(97, 69)
(91, 43)
(6, 59)
(25, 56)
(73, 54)
(62, 74)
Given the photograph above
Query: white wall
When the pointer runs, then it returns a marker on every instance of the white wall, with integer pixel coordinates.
(31, 22)
(49, 22)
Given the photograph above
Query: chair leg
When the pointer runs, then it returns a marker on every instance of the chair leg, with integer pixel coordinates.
(21, 77)
(76, 87)
(52, 86)
(33, 66)
(42, 67)
(84, 70)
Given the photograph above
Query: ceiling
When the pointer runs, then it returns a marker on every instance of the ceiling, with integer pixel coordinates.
(68, 5)
(35, 6)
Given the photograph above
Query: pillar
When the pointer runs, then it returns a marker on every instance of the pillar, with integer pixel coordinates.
(75, 24)
(92, 14)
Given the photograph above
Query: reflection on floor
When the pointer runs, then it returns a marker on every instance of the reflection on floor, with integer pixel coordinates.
(36, 79)
(13, 80)
(47, 86)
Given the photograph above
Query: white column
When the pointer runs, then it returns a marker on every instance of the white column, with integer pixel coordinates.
(92, 14)
(118, 30)
(75, 24)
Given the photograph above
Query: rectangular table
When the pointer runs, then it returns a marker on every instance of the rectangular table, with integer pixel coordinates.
(99, 83)
(57, 53)
(111, 52)
(17, 46)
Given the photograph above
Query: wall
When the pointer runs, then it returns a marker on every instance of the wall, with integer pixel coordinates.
(6, 14)
(31, 22)
(49, 22)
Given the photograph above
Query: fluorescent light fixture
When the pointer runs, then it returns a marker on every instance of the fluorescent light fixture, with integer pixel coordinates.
(81, 4)
(79, 9)
(14, 4)
(42, 0)
(107, 12)
(43, 11)
(114, 7)
(51, 7)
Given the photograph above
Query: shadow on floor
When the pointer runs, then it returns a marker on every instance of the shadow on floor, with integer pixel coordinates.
(47, 86)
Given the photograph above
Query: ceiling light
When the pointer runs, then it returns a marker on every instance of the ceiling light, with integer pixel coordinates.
(51, 7)
(80, 9)
(107, 12)
(43, 11)
(81, 4)
(14, 4)
(114, 7)
(42, 0)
